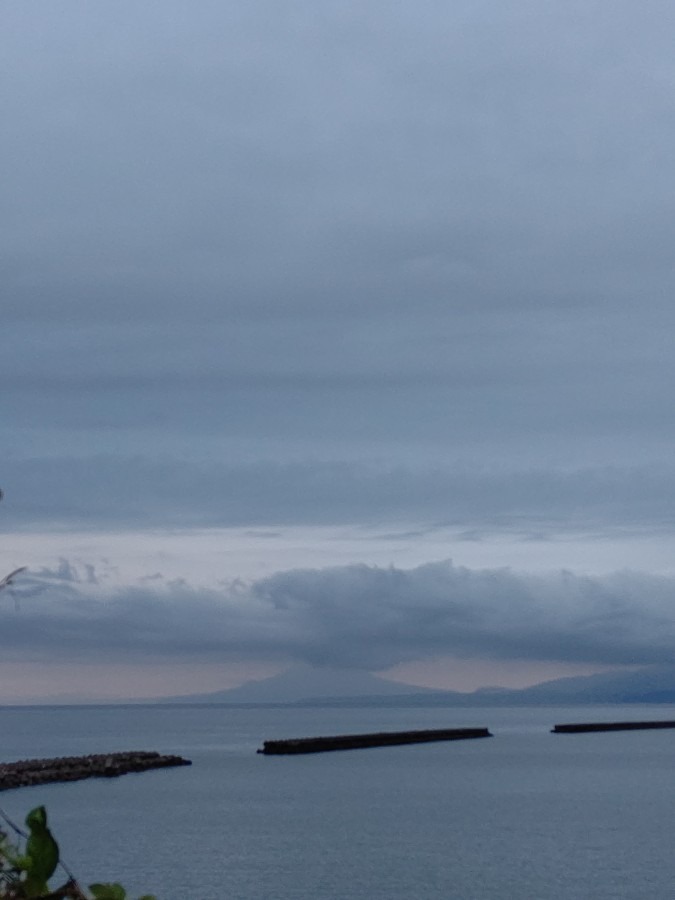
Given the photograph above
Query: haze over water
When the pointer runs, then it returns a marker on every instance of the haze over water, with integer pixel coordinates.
(525, 814)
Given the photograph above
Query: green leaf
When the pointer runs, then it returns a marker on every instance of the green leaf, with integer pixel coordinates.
(112, 891)
(37, 818)
(17, 860)
(42, 853)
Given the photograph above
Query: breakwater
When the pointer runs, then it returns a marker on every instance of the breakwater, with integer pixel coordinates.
(74, 768)
(377, 739)
(582, 727)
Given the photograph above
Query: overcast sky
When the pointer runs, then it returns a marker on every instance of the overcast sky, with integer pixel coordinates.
(294, 292)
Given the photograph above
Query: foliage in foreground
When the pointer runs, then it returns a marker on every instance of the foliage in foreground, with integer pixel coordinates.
(25, 870)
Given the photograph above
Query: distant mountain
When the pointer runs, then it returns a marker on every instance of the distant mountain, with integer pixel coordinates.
(653, 684)
(307, 686)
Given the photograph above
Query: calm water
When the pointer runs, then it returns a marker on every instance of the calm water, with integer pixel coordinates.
(525, 815)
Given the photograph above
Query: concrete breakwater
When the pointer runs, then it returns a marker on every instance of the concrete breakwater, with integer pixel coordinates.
(582, 727)
(74, 768)
(377, 739)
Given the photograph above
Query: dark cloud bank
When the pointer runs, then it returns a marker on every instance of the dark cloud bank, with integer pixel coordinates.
(347, 617)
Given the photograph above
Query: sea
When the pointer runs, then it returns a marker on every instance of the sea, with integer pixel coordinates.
(524, 814)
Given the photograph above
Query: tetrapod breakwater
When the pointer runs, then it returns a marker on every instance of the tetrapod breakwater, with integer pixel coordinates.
(375, 739)
(27, 772)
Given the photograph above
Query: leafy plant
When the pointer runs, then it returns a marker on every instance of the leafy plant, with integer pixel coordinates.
(25, 873)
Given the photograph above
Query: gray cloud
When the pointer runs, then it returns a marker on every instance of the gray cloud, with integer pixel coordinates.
(353, 616)
(338, 262)
(356, 161)
(109, 492)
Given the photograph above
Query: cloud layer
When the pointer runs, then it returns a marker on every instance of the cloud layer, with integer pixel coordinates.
(352, 617)
(391, 266)
(326, 234)
(113, 492)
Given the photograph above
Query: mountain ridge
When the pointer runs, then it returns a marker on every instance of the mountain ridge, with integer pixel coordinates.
(307, 686)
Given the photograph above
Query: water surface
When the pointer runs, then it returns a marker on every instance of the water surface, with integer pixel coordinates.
(525, 814)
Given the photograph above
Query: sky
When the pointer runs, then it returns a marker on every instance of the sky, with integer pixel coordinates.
(335, 333)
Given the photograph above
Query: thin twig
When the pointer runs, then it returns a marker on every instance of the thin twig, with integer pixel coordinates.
(12, 825)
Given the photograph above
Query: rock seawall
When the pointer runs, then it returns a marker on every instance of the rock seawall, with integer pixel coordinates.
(27, 772)
(582, 727)
(376, 739)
